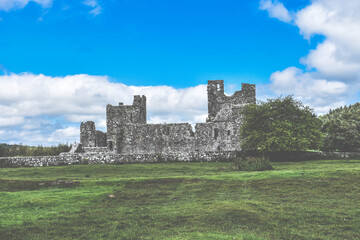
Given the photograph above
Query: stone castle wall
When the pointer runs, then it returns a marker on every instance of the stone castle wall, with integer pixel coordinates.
(157, 138)
(117, 117)
(128, 133)
(217, 136)
(91, 137)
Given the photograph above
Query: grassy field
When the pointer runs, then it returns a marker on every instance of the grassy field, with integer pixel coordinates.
(302, 200)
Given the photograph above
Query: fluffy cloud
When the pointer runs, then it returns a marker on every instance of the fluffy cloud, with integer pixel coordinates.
(313, 91)
(276, 10)
(333, 67)
(96, 8)
(69, 134)
(39, 109)
(8, 5)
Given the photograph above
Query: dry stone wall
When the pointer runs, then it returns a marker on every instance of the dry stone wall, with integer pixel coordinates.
(111, 158)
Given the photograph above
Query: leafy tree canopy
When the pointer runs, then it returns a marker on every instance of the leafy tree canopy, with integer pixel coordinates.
(281, 124)
(341, 128)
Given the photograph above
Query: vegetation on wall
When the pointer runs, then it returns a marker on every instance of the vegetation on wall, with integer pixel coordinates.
(282, 124)
(7, 150)
(341, 128)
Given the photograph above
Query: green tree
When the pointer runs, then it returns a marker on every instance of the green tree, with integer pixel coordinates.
(341, 128)
(281, 124)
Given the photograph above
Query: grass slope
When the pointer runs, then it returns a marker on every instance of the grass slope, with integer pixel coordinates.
(302, 200)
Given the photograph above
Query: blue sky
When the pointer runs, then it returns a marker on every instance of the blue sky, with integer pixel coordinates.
(181, 43)
(62, 61)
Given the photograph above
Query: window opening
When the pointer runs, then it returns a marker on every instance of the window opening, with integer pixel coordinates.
(216, 133)
(110, 145)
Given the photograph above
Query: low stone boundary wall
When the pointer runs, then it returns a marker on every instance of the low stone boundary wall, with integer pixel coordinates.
(111, 158)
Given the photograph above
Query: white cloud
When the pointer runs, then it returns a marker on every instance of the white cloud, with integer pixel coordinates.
(10, 121)
(96, 8)
(69, 134)
(275, 9)
(333, 62)
(332, 77)
(8, 5)
(319, 93)
(40, 105)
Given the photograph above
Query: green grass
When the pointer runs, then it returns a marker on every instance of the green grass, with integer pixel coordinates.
(302, 200)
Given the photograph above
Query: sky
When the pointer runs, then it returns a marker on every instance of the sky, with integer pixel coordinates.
(62, 61)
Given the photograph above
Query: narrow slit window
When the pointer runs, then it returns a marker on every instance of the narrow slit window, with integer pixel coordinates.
(216, 133)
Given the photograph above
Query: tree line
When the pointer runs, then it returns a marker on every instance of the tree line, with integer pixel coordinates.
(7, 150)
(285, 124)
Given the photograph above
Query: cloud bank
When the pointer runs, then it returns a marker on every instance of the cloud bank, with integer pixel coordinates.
(8, 5)
(39, 109)
(332, 73)
(11, 5)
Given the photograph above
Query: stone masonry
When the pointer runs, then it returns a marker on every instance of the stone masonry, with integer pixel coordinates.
(129, 134)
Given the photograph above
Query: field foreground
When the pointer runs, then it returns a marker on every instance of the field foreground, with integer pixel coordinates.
(302, 200)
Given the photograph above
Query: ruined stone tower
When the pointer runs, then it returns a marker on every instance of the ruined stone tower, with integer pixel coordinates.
(90, 137)
(129, 134)
(226, 108)
(118, 117)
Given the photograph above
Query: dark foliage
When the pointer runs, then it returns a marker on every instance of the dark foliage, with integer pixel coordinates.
(23, 150)
(252, 163)
(281, 124)
(341, 128)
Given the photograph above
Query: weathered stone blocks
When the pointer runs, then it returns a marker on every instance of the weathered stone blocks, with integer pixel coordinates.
(128, 133)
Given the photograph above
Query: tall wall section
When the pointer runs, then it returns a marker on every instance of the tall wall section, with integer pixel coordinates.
(156, 138)
(217, 136)
(117, 117)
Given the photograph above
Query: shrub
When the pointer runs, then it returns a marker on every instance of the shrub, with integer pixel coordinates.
(252, 163)
(281, 124)
(341, 128)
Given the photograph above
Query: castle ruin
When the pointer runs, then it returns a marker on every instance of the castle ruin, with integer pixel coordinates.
(129, 134)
